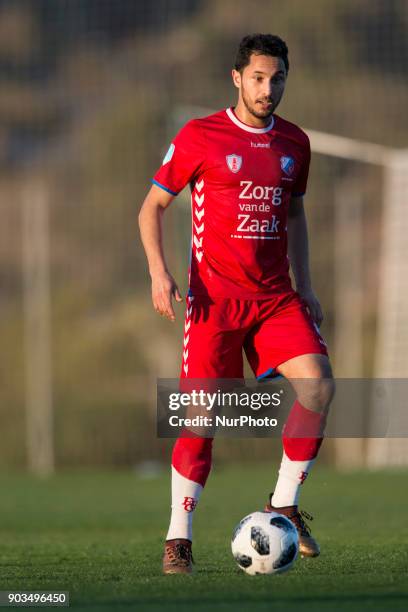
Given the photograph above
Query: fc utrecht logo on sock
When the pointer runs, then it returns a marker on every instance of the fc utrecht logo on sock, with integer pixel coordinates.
(189, 504)
(302, 477)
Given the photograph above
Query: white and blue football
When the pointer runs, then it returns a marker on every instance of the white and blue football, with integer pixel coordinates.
(265, 543)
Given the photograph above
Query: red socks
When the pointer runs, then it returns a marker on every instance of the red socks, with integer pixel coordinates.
(192, 458)
(302, 434)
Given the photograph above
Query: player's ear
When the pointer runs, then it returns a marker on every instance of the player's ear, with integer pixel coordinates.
(236, 78)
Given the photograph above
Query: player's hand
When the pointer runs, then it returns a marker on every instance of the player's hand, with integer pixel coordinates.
(313, 305)
(164, 288)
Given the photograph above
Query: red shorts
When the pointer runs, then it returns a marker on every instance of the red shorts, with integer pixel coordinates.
(271, 331)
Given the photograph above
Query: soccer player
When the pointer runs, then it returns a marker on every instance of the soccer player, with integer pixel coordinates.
(247, 169)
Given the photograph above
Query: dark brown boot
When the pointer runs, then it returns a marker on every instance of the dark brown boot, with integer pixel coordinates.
(178, 557)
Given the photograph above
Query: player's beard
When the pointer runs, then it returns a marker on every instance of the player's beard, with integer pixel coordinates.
(258, 113)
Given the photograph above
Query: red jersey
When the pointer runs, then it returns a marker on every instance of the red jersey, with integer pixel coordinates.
(241, 180)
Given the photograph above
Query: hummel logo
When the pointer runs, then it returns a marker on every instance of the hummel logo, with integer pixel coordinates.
(261, 145)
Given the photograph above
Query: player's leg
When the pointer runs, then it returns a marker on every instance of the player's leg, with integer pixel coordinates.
(212, 348)
(290, 344)
(302, 436)
(191, 464)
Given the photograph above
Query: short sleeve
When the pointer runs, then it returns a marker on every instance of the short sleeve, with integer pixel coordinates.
(300, 185)
(184, 159)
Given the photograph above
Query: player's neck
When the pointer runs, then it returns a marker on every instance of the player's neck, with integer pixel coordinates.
(246, 117)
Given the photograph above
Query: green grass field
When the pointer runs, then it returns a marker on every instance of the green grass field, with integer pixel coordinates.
(99, 535)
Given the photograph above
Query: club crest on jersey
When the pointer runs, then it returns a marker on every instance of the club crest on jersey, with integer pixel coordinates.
(234, 162)
(287, 165)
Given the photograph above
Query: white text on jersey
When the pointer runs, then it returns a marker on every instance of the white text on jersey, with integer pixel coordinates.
(260, 192)
(258, 225)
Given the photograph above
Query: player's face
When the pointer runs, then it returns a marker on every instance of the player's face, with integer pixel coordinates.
(261, 84)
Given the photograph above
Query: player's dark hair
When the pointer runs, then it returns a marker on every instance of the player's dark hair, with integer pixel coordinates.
(260, 44)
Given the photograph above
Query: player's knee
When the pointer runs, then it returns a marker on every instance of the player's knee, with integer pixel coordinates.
(317, 393)
(327, 389)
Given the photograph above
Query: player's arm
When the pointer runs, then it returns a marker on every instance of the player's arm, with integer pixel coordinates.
(164, 287)
(298, 250)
